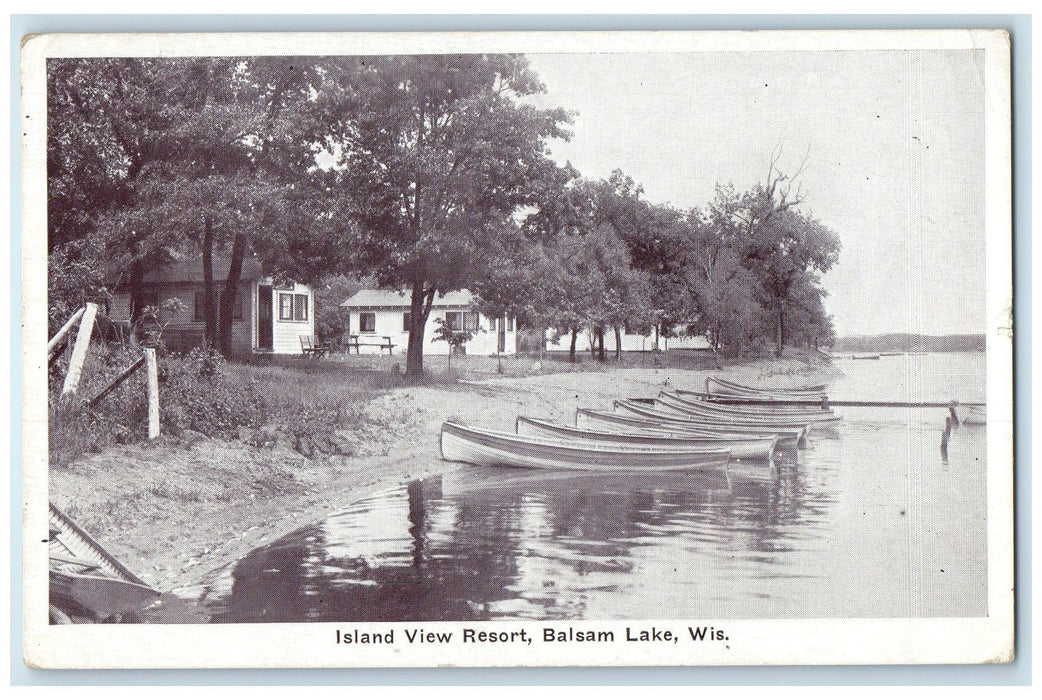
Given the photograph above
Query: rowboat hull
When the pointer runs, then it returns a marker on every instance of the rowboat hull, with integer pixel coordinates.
(723, 386)
(460, 443)
(757, 410)
(759, 449)
(807, 389)
(757, 401)
(670, 402)
(83, 572)
(716, 422)
(590, 419)
(101, 595)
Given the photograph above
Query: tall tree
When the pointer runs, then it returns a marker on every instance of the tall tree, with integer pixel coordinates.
(783, 250)
(152, 160)
(777, 242)
(433, 149)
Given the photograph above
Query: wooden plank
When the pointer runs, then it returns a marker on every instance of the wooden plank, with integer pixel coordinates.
(153, 393)
(79, 350)
(119, 379)
(57, 352)
(60, 335)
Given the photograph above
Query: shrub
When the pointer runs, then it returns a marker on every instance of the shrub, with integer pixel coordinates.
(199, 394)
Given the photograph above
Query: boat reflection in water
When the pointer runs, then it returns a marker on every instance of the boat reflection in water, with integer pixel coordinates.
(488, 544)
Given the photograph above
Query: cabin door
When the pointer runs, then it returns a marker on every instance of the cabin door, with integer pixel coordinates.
(502, 326)
(265, 331)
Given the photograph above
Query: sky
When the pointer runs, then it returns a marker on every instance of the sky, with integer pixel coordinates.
(895, 166)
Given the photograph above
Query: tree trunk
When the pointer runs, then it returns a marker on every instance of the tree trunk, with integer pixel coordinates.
(231, 288)
(781, 329)
(618, 345)
(137, 298)
(571, 349)
(419, 309)
(209, 307)
(600, 343)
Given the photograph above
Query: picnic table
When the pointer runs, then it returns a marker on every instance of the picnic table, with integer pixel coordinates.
(310, 349)
(380, 341)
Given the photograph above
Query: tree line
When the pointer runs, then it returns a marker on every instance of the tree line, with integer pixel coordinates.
(426, 174)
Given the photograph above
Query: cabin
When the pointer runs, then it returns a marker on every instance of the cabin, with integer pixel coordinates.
(631, 340)
(268, 318)
(376, 315)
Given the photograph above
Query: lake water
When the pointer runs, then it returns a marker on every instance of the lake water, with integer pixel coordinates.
(868, 521)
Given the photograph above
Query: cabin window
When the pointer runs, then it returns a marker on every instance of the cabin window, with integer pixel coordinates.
(406, 321)
(300, 307)
(510, 323)
(293, 307)
(462, 320)
(367, 322)
(492, 324)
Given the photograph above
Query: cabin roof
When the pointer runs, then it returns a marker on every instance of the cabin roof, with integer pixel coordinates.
(191, 270)
(391, 299)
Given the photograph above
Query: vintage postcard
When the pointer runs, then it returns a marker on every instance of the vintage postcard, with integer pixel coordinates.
(517, 349)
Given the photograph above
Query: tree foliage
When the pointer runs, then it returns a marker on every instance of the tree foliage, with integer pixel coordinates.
(425, 173)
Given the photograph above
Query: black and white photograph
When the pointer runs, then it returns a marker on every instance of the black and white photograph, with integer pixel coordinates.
(517, 349)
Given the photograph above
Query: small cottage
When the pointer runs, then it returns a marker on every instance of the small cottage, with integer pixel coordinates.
(382, 315)
(631, 341)
(267, 317)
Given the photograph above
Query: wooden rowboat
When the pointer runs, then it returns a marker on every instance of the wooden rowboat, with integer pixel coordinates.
(705, 408)
(725, 386)
(84, 574)
(661, 412)
(744, 449)
(759, 408)
(592, 419)
(757, 401)
(489, 448)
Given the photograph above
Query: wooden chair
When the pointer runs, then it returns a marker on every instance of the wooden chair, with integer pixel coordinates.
(310, 349)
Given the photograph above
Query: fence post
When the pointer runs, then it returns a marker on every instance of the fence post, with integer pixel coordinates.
(79, 350)
(153, 393)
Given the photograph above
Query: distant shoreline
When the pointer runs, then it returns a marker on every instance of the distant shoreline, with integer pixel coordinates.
(911, 342)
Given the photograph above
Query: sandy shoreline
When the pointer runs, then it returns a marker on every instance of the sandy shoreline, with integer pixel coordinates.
(172, 512)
